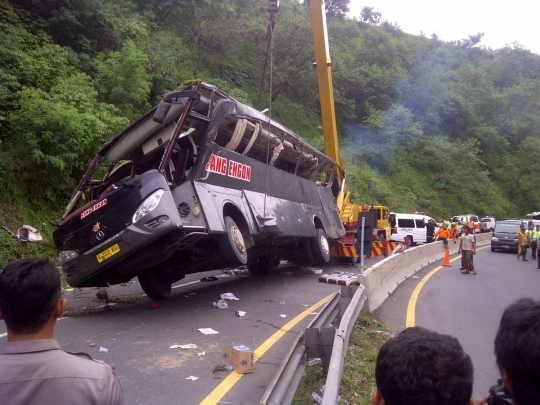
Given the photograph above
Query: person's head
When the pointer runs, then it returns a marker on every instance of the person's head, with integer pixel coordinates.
(517, 349)
(538, 227)
(420, 367)
(30, 295)
(445, 226)
(466, 230)
(531, 226)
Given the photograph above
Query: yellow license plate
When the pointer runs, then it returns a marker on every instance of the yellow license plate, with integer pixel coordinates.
(107, 253)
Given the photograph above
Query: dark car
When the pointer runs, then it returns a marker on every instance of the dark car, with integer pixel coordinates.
(505, 235)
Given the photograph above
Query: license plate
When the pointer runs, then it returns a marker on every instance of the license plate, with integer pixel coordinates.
(107, 253)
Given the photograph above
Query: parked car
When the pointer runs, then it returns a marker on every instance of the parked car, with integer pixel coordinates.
(488, 224)
(505, 235)
(464, 219)
(411, 225)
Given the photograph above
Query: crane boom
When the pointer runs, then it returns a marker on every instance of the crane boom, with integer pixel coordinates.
(324, 73)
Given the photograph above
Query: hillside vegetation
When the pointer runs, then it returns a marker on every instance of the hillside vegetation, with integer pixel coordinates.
(445, 128)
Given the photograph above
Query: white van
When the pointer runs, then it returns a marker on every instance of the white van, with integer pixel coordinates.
(411, 225)
(464, 219)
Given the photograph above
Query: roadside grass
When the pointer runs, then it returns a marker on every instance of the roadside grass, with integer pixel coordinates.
(358, 380)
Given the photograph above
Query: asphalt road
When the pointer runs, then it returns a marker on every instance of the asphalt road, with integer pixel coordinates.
(138, 336)
(466, 306)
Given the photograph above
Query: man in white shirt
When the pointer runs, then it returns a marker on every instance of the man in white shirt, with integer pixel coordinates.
(467, 247)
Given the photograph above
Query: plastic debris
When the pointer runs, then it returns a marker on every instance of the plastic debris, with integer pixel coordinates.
(220, 304)
(314, 362)
(201, 354)
(229, 367)
(92, 345)
(155, 306)
(281, 302)
(314, 313)
(305, 305)
(208, 331)
(311, 270)
(131, 282)
(188, 346)
(316, 397)
(229, 296)
(189, 294)
(192, 378)
(103, 349)
(415, 277)
(29, 233)
(283, 315)
(209, 279)
(241, 313)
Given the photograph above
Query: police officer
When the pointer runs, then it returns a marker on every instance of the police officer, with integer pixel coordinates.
(33, 367)
(534, 240)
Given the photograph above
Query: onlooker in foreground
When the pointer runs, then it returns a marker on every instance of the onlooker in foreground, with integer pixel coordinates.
(523, 243)
(420, 367)
(517, 349)
(33, 367)
(467, 247)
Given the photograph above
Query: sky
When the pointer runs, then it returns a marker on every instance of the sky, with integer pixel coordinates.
(502, 22)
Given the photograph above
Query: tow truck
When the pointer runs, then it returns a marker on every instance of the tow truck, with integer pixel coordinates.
(344, 247)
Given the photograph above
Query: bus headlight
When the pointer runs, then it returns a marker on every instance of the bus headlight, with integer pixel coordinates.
(148, 205)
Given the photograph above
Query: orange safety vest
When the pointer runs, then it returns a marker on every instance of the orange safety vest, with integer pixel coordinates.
(443, 233)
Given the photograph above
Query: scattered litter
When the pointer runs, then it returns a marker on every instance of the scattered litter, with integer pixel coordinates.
(103, 349)
(229, 367)
(131, 282)
(316, 397)
(229, 296)
(381, 331)
(240, 313)
(189, 294)
(30, 233)
(106, 305)
(220, 304)
(192, 378)
(314, 362)
(311, 270)
(415, 277)
(209, 279)
(283, 315)
(314, 313)
(281, 302)
(16, 237)
(92, 345)
(236, 272)
(155, 306)
(201, 354)
(207, 331)
(305, 305)
(188, 346)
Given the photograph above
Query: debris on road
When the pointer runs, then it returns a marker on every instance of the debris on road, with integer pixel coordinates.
(188, 346)
(189, 294)
(240, 313)
(305, 305)
(238, 357)
(208, 331)
(29, 233)
(314, 313)
(415, 277)
(201, 354)
(92, 345)
(229, 296)
(314, 362)
(103, 349)
(316, 397)
(220, 304)
(192, 378)
(311, 270)
(281, 302)
(236, 272)
(283, 315)
(209, 279)
(155, 306)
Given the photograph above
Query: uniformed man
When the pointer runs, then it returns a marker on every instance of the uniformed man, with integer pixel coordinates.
(33, 367)
(535, 233)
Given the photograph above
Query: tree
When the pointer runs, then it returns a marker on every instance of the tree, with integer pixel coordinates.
(370, 16)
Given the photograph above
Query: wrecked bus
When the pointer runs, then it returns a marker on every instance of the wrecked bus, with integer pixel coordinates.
(200, 182)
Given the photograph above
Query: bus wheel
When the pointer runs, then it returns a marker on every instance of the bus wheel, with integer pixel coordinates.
(154, 285)
(232, 244)
(320, 247)
(262, 265)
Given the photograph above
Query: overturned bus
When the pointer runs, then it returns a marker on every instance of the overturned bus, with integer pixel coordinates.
(200, 182)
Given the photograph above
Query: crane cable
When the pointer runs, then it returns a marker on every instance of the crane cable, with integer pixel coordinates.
(273, 8)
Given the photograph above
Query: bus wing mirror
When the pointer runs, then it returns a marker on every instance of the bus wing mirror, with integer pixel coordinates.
(161, 112)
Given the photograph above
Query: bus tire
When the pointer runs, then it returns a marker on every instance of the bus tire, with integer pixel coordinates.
(153, 285)
(262, 265)
(320, 247)
(306, 254)
(232, 244)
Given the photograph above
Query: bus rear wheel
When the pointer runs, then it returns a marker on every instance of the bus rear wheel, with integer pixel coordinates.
(320, 247)
(154, 284)
(232, 244)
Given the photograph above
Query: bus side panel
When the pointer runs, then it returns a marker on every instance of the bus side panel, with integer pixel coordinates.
(335, 228)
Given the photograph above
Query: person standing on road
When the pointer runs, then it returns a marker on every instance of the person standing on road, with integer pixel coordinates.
(523, 243)
(430, 231)
(535, 233)
(470, 224)
(33, 367)
(444, 234)
(467, 247)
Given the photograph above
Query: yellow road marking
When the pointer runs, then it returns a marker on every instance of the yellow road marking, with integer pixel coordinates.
(411, 309)
(229, 381)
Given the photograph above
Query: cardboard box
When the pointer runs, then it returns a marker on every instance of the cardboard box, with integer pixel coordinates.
(240, 357)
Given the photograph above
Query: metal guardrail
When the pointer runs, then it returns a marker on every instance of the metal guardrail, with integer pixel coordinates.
(285, 382)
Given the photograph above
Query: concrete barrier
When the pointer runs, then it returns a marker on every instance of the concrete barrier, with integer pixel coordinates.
(383, 278)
